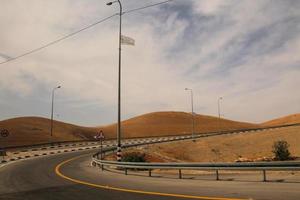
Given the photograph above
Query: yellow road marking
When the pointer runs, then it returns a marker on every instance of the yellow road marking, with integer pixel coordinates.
(58, 172)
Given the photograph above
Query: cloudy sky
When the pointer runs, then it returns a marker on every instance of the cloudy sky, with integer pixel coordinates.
(245, 51)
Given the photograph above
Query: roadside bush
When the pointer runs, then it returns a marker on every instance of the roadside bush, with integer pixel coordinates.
(281, 150)
(134, 157)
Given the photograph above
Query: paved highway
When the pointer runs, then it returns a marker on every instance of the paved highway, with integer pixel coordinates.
(70, 176)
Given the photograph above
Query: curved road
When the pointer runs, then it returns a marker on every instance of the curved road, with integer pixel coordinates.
(70, 176)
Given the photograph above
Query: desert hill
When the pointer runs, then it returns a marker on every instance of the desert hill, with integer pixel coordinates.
(290, 119)
(36, 130)
(173, 123)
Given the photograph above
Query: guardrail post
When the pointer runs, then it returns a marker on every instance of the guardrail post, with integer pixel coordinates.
(180, 175)
(264, 176)
(150, 172)
(217, 175)
(102, 167)
(125, 171)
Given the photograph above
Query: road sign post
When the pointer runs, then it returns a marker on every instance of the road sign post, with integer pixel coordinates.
(100, 137)
(3, 133)
(2, 153)
(101, 156)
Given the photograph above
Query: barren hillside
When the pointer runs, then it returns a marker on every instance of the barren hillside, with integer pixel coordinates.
(228, 148)
(173, 123)
(290, 119)
(36, 130)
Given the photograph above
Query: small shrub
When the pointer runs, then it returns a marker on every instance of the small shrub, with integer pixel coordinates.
(134, 157)
(281, 150)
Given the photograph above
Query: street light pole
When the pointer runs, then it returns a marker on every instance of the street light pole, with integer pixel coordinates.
(193, 118)
(52, 105)
(219, 112)
(119, 145)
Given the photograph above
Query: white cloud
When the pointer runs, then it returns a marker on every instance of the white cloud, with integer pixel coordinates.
(173, 50)
(210, 7)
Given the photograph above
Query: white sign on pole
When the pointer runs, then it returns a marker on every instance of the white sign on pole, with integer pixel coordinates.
(127, 40)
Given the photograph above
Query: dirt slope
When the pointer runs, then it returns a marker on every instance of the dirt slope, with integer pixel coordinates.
(228, 148)
(290, 119)
(172, 123)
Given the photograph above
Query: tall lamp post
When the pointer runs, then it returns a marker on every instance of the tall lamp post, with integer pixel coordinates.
(119, 83)
(52, 105)
(219, 112)
(193, 118)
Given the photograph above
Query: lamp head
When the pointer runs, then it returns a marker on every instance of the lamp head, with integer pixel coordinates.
(109, 3)
(59, 86)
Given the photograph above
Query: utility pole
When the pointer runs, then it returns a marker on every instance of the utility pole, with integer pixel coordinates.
(119, 145)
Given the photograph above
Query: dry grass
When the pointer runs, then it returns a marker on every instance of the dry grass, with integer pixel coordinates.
(228, 148)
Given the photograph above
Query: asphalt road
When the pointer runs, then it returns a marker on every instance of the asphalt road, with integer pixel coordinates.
(37, 179)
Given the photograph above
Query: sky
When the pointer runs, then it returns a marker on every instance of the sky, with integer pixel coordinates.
(244, 51)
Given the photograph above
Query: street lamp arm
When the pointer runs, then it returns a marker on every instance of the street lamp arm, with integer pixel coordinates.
(58, 87)
(121, 7)
(117, 1)
(110, 3)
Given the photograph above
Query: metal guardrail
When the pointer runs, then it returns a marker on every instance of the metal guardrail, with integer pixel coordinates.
(240, 166)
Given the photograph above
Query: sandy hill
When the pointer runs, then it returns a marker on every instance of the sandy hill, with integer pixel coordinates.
(172, 123)
(290, 119)
(36, 130)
